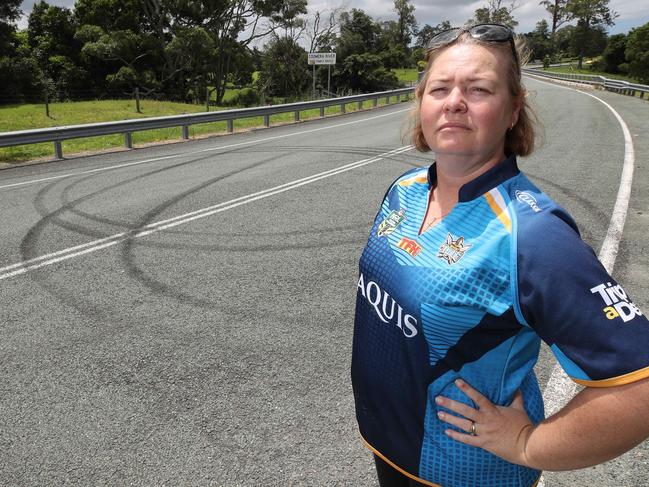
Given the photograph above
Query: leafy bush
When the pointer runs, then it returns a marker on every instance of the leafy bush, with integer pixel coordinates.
(247, 97)
(637, 53)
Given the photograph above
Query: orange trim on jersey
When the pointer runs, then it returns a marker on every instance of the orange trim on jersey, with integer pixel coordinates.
(398, 469)
(416, 179)
(620, 380)
(402, 471)
(500, 213)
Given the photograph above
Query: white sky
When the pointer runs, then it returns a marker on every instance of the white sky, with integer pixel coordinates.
(633, 13)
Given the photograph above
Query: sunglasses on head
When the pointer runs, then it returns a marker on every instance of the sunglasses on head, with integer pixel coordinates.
(479, 32)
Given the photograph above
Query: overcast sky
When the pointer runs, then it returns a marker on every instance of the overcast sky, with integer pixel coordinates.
(633, 13)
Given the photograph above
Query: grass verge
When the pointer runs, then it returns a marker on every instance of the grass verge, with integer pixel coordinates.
(25, 117)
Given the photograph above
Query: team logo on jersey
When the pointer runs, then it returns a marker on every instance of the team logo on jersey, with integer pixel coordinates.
(453, 250)
(528, 199)
(618, 304)
(391, 222)
(410, 246)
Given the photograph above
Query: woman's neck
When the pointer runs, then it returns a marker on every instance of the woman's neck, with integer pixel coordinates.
(453, 173)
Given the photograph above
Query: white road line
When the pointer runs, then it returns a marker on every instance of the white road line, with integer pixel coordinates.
(71, 252)
(560, 388)
(212, 149)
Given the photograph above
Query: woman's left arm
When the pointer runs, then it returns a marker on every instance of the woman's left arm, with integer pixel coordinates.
(598, 424)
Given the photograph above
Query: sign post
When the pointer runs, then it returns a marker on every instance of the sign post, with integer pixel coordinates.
(319, 58)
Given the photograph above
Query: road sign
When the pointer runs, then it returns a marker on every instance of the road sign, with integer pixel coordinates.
(322, 58)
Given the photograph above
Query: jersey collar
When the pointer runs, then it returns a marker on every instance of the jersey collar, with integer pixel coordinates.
(506, 169)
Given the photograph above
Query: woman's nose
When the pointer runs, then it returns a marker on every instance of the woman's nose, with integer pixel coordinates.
(455, 101)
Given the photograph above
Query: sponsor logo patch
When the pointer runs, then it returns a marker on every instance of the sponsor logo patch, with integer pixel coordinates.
(386, 308)
(410, 246)
(453, 249)
(618, 304)
(528, 199)
(391, 222)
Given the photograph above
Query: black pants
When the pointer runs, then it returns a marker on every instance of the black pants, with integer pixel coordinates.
(390, 477)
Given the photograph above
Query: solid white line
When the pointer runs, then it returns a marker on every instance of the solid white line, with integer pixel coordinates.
(560, 388)
(211, 149)
(71, 252)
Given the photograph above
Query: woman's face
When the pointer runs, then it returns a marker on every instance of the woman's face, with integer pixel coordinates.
(466, 107)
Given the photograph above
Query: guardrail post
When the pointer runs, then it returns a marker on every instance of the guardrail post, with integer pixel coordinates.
(266, 120)
(376, 102)
(322, 111)
(387, 100)
(185, 132)
(360, 105)
(398, 98)
(297, 115)
(128, 140)
(230, 126)
(342, 108)
(58, 149)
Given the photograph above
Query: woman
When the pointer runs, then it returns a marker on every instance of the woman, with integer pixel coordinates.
(468, 266)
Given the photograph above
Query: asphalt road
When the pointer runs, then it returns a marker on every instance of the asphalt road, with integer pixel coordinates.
(214, 348)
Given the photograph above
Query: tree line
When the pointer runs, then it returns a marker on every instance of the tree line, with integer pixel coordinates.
(192, 50)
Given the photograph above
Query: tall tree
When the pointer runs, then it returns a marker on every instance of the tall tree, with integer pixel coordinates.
(495, 12)
(593, 16)
(406, 22)
(557, 8)
(9, 13)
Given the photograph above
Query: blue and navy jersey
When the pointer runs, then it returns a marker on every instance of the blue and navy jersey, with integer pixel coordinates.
(471, 298)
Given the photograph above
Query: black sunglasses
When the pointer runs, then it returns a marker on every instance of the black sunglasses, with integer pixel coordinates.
(479, 32)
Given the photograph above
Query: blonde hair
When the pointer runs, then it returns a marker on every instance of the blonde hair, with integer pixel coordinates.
(519, 140)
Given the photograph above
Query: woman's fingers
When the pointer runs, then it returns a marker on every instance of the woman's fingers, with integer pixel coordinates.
(462, 423)
(457, 407)
(479, 399)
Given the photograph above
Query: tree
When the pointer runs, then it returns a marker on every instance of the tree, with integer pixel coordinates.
(364, 73)
(557, 8)
(495, 12)
(406, 22)
(593, 16)
(539, 41)
(358, 34)
(427, 32)
(614, 53)
(285, 71)
(320, 33)
(9, 13)
(637, 53)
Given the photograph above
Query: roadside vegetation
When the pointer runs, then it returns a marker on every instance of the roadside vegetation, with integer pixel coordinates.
(30, 116)
(83, 62)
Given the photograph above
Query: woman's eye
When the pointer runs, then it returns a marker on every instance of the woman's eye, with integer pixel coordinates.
(479, 89)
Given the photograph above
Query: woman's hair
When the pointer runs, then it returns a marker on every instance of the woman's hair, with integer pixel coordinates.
(520, 139)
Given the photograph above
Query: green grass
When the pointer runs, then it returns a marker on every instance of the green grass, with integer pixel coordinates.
(25, 117)
(406, 75)
(572, 69)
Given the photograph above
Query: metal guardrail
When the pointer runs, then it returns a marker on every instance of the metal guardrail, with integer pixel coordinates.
(127, 127)
(618, 86)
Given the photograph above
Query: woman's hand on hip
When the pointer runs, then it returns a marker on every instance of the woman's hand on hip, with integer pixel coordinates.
(501, 430)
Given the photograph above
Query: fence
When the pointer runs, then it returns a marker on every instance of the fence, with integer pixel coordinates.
(127, 127)
(618, 86)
